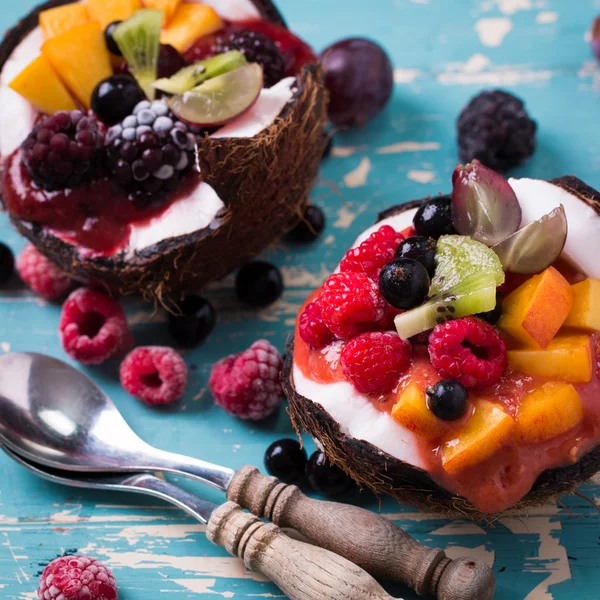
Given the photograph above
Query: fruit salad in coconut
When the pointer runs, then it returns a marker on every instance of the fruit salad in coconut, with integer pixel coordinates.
(452, 358)
(153, 147)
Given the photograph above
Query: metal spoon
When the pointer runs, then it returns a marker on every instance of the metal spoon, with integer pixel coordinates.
(54, 415)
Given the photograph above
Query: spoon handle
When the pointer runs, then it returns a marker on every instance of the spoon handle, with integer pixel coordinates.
(364, 538)
(302, 571)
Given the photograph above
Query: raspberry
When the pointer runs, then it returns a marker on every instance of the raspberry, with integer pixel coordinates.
(155, 375)
(469, 350)
(248, 385)
(63, 151)
(373, 362)
(351, 304)
(257, 48)
(93, 327)
(41, 275)
(312, 328)
(374, 253)
(77, 578)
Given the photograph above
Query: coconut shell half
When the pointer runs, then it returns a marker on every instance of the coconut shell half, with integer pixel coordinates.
(264, 182)
(373, 468)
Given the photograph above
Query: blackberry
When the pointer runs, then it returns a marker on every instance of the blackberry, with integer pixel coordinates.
(257, 48)
(63, 151)
(496, 129)
(149, 151)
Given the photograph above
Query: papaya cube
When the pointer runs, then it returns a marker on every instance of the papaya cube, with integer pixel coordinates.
(190, 22)
(548, 412)
(107, 11)
(81, 59)
(536, 310)
(55, 21)
(411, 412)
(585, 313)
(169, 7)
(567, 358)
(39, 83)
(488, 429)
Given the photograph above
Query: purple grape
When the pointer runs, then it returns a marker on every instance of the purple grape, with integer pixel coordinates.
(169, 61)
(360, 80)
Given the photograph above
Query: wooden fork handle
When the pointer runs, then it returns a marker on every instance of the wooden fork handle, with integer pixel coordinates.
(365, 538)
(302, 571)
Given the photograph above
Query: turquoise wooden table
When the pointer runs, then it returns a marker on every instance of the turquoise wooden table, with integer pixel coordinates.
(444, 52)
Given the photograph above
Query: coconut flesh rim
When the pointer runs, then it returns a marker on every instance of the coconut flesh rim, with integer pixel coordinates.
(354, 412)
(201, 207)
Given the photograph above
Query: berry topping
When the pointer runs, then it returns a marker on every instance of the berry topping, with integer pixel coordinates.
(149, 151)
(351, 304)
(257, 48)
(374, 362)
(7, 263)
(77, 578)
(448, 399)
(421, 249)
(169, 61)
(404, 283)
(326, 478)
(310, 227)
(115, 98)
(155, 375)
(434, 218)
(193, 321)
(259, 283)
(63, 150)
(248, 385)
(41, 275)
(312, 328)
(375, 252)
(93, 327)
(469, 350)
(496, 129)
(110, 40)
(286, 460)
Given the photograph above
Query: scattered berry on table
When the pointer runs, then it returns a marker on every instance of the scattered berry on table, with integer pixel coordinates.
(286, 460)
(434, 218)
(324, 477)
(248, 385)
(375, 252)
(63, 151)
(257, 48)
(77, 578)
(42, 275)
(259, 283)
(421, 249)
(115, 97)
(193, 322)
(448, 399)
(93, 327)
(404, 283)
(112, 46)
(7, 263)
(310, 227)
(312, 328)
(351, 304)
(374, 362)
(496, 129)
(469, 350)
(492, 316)
(156, 375)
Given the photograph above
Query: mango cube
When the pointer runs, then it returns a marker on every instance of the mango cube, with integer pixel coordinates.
(55, 21)
(548, 412)
(488, 429)
(567, 358)
(190, 22)
(107, 11)
(411, 411)
(39, 83)
(169, 7)
(585, 313)
(81, 59)
(535, 311)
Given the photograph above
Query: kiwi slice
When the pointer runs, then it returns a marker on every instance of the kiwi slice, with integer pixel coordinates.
(138, 38)
(192, 76)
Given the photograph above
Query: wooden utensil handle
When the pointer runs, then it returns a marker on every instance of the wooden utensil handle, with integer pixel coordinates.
(302, 571)
(364, 538)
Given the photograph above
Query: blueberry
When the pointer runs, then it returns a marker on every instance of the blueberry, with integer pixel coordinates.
(311, 226)
(7, 263)
(112, 46)
(259, 283)
(286, 460)
(492, 316)
(434, 218)
(404, 283)
(115, 97)
(448, 399)
(421, 249)
(194, 322)
(324, 477)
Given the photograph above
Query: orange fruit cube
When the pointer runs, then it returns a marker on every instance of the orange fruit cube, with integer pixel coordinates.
(55, 21)
(169, 7)
(585, 313)
(412, 412)
(107, 11)
(190, 22)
